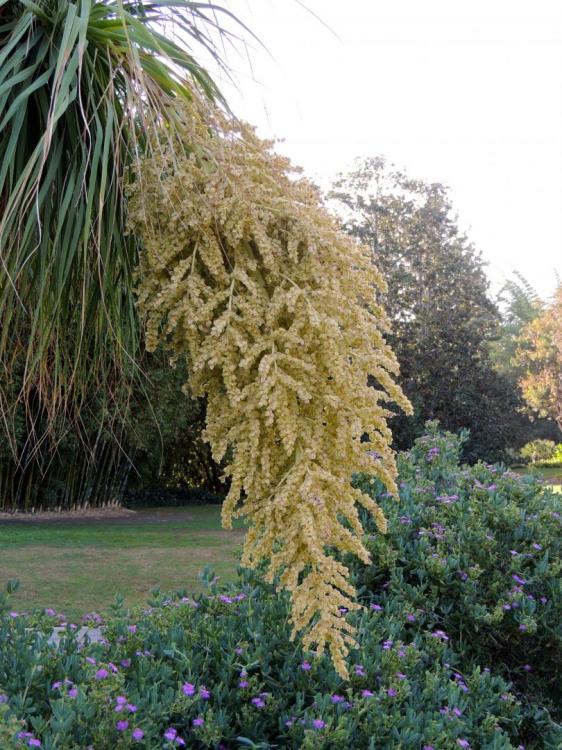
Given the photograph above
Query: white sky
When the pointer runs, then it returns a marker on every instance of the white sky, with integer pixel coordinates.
(464, 92)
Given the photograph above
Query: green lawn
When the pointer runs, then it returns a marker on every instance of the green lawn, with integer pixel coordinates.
(552, 474)
(76, 567)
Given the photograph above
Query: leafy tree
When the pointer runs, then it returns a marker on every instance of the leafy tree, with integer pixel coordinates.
(520, 305)
(538, 450)
(165, 431)
(443, 320)
(540, 354)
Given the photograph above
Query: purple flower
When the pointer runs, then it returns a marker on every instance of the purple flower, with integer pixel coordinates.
(170, 734)
(410, 618)
(188, 688)
(513, 552)
(131, 708)
(507, 607)
(90, 660)
(405, 520)
(543, 600)
(376, 607)
(198, 722)
(387, 645)
(518, 579)
(13, 614)
(50, 612)
(138, 734)
(537, 546)
(3, 698)
(440, 634)
(132, 629)
(401, 675)
(225, 599)
(359, 670)
(204, 693)
(401, 653)
(126, 663)
(522, 627)
(122, 725)
(337, 698)
(504, 696)
(34, 742)
(463, 743)
(73, 692)
(306, 666)
(527, 667)
(428, 747)
(457, 712)
(101, 674)
(391, 692)
(366, 694)
(258, 702)
(243, 684)
(318, 724)
(492, 487)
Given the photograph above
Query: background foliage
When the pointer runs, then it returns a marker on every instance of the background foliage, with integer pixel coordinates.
(540, 354)
(445, 327)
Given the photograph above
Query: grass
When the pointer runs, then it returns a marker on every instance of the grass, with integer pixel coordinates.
(552, 473)
(79, 567)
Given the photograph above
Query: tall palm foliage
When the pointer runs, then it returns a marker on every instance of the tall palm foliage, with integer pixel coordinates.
(78, 82)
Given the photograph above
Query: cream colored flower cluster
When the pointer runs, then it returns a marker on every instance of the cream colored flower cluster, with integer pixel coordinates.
(246, 273)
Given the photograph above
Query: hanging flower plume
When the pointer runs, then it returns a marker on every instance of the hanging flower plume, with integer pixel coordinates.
(246, 273)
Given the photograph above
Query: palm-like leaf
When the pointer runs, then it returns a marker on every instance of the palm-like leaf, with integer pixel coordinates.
(77, 82)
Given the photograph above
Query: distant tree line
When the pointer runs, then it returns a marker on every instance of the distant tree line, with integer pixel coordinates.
(458, 349)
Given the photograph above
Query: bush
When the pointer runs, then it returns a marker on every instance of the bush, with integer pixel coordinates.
(476, 551)
(539, 450)
(168, 497)
(471, 556)
(221, 671)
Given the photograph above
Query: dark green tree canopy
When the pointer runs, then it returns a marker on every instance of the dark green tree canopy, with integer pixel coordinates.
(443, 319)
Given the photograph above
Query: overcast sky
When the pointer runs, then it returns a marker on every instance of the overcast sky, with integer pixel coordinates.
(464, 92)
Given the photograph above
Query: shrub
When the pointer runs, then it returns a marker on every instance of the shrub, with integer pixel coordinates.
(166, 497)
(458, 640)
(475, 551)
(220, 671)
(538, 450)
